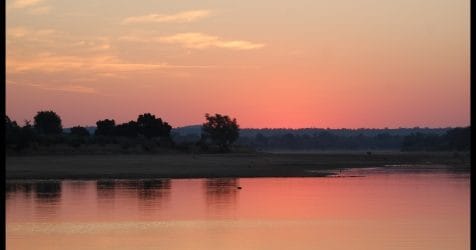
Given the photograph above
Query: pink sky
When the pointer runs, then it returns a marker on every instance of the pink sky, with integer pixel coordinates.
(269, 64)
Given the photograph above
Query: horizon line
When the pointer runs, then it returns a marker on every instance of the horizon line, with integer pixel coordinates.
(325, 128)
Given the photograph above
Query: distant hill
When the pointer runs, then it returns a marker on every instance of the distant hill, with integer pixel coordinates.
(252, 132)
(315, 138)
(188, 130)
(91, 129)
(318, 138)
(342, 132)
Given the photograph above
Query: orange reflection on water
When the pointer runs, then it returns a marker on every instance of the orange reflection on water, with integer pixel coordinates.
(379, 211)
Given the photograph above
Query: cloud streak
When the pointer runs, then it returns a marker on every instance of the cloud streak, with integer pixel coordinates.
(31, 34)
(40, 10)
(71, 88)
(66, 88)
(100, 64)
(51, 64)
(180, 17)
(21, 4)
(204, 41)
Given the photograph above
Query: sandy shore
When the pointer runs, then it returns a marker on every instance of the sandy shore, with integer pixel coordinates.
(216, 165)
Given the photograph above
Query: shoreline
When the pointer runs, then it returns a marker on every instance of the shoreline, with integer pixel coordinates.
(238, 165)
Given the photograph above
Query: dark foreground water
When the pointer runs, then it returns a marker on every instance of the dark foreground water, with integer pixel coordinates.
(367, 209)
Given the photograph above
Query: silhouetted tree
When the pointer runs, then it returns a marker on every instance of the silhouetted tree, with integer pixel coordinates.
(48, 123)
(150, 127)
(458, 139)
(9, 124)
(26, 136)
(421, 141)
(289, 141)
(79, 131)
(261, 140)
(129, 129)
(12, 131)
(221, 129)
(105, 127)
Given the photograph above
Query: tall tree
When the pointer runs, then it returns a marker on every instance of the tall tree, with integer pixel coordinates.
(221, 129)
(150, 126)
(26, 136)
(48, 123)
(105, 127)
(126, 129)
(12, 131)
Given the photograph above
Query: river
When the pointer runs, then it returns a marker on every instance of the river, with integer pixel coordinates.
(358, 209)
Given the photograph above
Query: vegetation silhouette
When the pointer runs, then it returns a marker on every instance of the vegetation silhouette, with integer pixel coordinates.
(129, 129)
(150, 127)
(221, 130)
(48, 123)
(78, 136)
(457, 139)
(12, 130)
(314, 139)
(79, 131)
(105, 127)
(323, 140)
(149, 133)
(18, 136)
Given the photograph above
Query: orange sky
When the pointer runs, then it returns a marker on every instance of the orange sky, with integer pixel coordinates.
(269, 64)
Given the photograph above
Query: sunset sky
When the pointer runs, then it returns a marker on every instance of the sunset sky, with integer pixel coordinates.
(301, 63)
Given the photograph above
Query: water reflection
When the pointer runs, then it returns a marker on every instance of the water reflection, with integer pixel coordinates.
(24, 188)
(105, 189)
(47, 199)
(147, 189)
(149, 193)
(221, 193)
(77, 187)
(49, 191)
(378, 211)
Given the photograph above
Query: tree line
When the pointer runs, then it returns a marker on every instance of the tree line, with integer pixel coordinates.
(322, 141)
(219, 132)
(402, 139)
(457, 139)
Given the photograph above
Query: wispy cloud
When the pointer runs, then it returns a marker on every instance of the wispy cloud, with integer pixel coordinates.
(100, 64)
(19, 37)
(65, 88)
(33, 7)
(180, 17)
(20, 4)
(54, 40)
(52, 63)
(40, 10)
(31, 34)
(139, 38)
(71, 88)
(93, 44)
(203, 41)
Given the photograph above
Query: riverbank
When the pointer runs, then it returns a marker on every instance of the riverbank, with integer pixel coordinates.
(216, 165)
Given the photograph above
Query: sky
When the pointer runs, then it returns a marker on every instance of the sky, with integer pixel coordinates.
(286, 64)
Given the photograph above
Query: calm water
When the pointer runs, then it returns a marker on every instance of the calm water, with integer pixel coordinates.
(368, 209)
